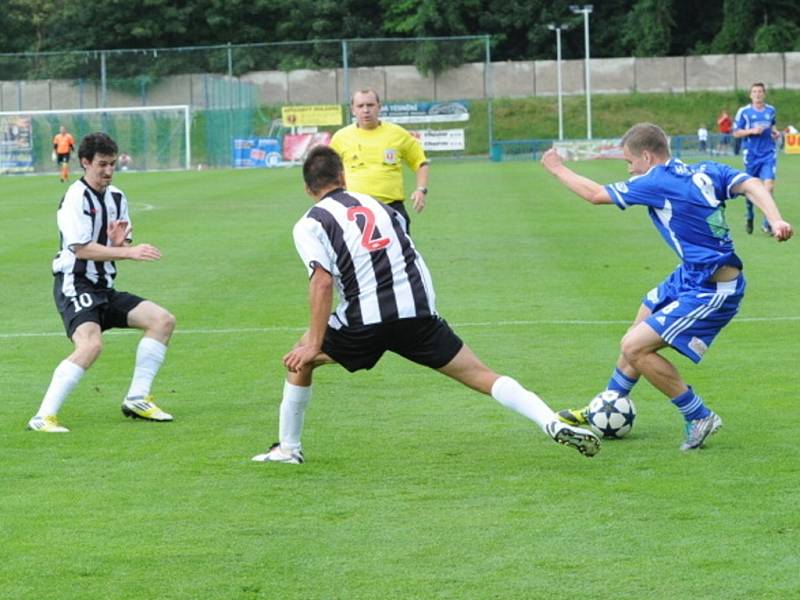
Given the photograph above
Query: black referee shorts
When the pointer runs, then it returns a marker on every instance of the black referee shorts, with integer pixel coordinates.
(104, 306)
(427, 341)
(400, 207)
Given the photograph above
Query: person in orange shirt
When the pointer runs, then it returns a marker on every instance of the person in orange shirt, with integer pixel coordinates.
(63, 145)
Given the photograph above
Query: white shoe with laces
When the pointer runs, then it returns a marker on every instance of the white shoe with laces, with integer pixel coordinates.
(143, 407)
(583, 440)
(46, 424)
(279, 455)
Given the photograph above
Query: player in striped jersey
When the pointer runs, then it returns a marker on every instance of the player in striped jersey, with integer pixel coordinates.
(690, 307)
(359, 246)
(95, 231)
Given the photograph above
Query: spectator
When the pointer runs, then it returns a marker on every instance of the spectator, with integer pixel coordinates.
(725, 126)
(702, 138)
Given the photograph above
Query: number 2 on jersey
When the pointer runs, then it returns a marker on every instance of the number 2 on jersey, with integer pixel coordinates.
(369, 228)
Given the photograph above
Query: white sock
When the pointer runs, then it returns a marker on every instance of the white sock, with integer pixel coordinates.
(150, 355)
(293, 409)
(65, 378)
(512, 395)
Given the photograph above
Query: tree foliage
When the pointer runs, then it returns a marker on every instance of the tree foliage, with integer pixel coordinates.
(649, 28)
(517, 29)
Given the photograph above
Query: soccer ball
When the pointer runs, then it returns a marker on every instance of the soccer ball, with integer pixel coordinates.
(610, 414)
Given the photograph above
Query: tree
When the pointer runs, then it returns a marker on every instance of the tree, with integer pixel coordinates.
(738, 25)
(648, 28)
(783, 37)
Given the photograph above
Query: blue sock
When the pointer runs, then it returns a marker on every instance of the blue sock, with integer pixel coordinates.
(691, 405)
(621, 383)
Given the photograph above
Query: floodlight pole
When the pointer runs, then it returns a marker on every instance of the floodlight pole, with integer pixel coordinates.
(557, 29)
(586, 9)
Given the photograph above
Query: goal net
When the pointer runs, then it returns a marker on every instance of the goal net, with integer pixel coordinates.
(152, 138)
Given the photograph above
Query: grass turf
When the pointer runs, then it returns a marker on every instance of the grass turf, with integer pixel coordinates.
(414, 487)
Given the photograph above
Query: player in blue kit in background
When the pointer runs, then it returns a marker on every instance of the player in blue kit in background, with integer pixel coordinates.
(755, 126)
(689, 308)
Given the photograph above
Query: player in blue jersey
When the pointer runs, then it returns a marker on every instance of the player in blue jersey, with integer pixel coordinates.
(689, 308)
(755, 126)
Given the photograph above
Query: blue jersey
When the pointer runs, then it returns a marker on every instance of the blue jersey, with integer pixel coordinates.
(757, 148)
(687, 206)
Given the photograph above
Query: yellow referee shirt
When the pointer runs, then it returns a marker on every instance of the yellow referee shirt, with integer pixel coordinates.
(373, 159)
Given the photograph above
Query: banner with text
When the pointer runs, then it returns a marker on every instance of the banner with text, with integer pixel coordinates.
(296, 146)
(587, 149)
(256, 152)
(311, 116)
(426, 112)
(792, 143)
(440, 140)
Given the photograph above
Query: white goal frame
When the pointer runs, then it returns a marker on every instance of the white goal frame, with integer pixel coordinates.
(185, 108)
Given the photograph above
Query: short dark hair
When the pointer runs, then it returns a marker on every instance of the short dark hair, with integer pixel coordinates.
(758, 84)
(97, 143)
(322, 168)
(365, 91)
(646, 136)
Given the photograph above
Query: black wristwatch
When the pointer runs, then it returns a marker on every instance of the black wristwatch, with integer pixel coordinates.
(424, 190)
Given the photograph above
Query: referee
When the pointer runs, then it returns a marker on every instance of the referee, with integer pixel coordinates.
(373, 153)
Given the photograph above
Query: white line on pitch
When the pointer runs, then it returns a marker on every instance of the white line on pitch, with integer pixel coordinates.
(203, 331)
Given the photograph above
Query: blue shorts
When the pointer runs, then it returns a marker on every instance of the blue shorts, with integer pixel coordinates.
(689, 317)
(763, 169)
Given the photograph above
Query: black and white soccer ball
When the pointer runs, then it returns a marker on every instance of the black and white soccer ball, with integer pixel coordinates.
(611, 414)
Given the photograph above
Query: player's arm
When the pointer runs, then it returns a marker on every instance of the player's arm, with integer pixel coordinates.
(420, 193)
(99, 252)
(320, 298)
(589, 190)
(754, 189)
(740, 131)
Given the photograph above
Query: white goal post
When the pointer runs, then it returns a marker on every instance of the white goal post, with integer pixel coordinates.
(154, 138)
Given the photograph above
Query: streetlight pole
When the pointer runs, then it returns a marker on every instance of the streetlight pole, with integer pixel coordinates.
(586, 9)
(557, 29)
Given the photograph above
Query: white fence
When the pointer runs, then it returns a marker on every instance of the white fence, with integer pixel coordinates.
(406, 83)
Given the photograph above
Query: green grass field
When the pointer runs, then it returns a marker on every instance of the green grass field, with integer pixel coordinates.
(414, 487)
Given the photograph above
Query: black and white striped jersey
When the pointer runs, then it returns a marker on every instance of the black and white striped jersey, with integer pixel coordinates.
(83, 216)
(362, 243)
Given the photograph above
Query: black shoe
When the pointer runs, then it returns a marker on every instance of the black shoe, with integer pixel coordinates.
(748, 227)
